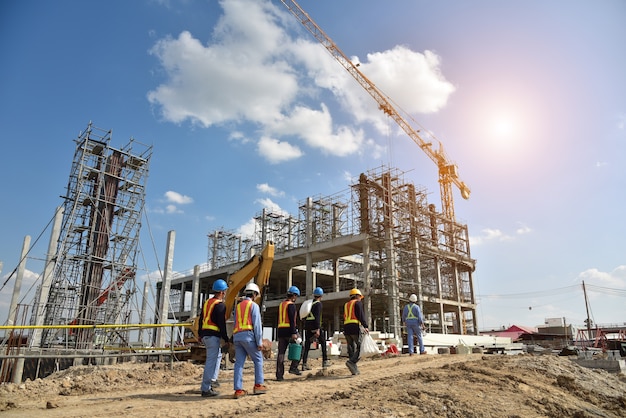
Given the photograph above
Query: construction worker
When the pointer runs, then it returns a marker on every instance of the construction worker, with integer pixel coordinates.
(353, 319)
(287, 332)
(212, 330)
(248, 340)
(313, 330)
(414, 320)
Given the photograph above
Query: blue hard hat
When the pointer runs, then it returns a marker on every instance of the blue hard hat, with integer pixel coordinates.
(219, 285)
(318, 291)
(294, 291)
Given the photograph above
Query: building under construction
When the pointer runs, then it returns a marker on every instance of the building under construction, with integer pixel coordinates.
(93, 277)
(381, 236)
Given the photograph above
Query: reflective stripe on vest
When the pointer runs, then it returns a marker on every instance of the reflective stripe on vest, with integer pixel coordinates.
(209, 305)
(283, 317)
(310, 316)
(410, 315)
(349, 316)
(244, 319)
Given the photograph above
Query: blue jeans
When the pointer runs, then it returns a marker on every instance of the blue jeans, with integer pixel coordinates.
(413, 328)
(242, 350)
(213, 360)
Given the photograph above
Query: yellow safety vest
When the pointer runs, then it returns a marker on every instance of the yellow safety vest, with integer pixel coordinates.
(283, 317)
(207, 310)
(244, 319)
(410, 315)
(310, 316)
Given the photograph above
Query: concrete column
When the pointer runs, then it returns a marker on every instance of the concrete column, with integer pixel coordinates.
(164, 305)
(18, 370)
(444, 328)
(44, 292)
(18, 281)
(309, 281)
(195, 291)
(144, 307)
(367, 302)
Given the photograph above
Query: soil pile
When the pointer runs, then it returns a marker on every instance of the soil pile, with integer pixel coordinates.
(472, 385)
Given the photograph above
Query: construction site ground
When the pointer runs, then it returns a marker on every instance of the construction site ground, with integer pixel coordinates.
(473, 385)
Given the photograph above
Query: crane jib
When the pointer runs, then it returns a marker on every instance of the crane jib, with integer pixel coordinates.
(448, 172)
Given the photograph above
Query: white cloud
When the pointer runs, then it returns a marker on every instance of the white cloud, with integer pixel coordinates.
(177, 198)
(247, 230)
(272, 206)
(276, 151)
(615, 278)
(253, 72)
(266, 188)
(238, 77)
(497, 235)
(27, 289)
(315, 127)
(172, 209)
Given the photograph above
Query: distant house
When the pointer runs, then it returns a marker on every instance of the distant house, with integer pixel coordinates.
(514, 332)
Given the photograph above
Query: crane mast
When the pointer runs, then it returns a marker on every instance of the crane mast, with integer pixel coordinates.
(448, 172)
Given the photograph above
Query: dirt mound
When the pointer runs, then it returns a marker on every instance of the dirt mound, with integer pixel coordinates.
(435, 385)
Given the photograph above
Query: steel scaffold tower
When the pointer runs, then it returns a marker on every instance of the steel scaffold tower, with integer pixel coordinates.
(94, 275)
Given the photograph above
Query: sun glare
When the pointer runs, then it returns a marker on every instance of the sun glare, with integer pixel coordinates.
(503, 130)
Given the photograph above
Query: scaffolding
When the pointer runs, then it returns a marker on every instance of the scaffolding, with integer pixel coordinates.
(94, 274)
(380, 235)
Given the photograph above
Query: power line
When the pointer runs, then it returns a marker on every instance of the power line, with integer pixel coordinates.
(539, 293)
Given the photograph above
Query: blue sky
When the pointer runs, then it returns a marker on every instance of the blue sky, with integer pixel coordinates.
(246, 110)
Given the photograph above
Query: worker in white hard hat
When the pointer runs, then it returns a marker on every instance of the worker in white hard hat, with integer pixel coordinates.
(248, 340)
(414, 321)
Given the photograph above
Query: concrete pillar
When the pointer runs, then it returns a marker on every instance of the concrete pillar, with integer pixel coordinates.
(195, 291)
(18, 281)
(18, 370)
(309, 282)
(367, 302)
(164, 305)
(35, 339)
(444, 328)
(144, 307)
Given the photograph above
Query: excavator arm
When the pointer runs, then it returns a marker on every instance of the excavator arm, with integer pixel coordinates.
(258, 266)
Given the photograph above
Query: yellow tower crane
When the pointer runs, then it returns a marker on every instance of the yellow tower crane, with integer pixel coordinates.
(448, 172)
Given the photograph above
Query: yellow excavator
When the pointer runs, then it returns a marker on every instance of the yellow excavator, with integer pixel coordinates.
(258, 267)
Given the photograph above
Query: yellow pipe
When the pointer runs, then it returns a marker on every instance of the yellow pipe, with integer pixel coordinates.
(182, 324)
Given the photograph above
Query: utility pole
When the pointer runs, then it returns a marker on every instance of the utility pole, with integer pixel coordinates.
(587, 307)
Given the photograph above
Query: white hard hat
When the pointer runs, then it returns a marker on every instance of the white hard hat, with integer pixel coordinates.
(252, 287)
(413, 298)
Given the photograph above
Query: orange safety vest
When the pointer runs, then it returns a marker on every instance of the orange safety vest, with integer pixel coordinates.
(207, 310)
(283, 318)
(244, 319)
(348, 313)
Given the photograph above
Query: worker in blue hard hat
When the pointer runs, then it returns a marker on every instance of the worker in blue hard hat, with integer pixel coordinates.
(287, 332)
(212, 331)
(313, 330)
